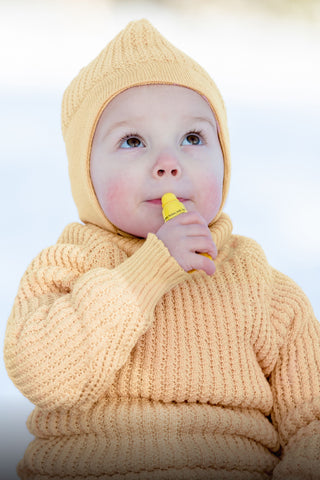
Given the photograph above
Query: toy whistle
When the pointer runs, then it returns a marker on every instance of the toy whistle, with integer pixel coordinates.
(171, 207)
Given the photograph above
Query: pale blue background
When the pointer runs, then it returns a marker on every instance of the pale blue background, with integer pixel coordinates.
(266, 66)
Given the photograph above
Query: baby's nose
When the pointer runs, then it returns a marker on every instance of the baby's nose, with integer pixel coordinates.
(167, 164)
(162, 172)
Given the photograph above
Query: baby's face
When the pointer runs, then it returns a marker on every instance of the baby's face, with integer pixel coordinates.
(151, 140)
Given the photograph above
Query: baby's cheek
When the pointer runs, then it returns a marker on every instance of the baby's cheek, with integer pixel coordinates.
(115, 203)
(114, 192)
(212, 195)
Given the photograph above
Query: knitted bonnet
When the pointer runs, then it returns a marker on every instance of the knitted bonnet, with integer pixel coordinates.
(138, 55)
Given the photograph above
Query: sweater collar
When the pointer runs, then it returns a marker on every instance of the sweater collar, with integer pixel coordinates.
(221, 231)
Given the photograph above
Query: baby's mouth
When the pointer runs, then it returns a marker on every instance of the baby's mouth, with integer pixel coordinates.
(157, 201)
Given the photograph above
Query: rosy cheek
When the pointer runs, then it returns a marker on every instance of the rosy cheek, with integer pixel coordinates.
(217, 189)
(115, 199)
(115, 191)
(212, 197)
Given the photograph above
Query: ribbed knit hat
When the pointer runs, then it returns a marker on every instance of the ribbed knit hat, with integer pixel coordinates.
(138, 55)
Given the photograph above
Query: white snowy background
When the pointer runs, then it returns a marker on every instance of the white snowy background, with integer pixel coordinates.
(266, 63)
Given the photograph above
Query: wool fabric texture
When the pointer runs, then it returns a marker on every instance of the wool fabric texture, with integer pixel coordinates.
(139, 370)
(138, 55)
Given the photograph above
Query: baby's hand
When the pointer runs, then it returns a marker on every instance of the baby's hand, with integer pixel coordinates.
(184, 236)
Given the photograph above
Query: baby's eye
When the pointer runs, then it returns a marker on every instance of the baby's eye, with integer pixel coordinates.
(192, 139)
(130, 142)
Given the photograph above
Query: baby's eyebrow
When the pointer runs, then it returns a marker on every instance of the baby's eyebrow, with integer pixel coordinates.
(207, 120)
(120, 124)
(125, 123)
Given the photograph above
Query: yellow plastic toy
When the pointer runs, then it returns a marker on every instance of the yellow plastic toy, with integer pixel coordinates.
(171, 207)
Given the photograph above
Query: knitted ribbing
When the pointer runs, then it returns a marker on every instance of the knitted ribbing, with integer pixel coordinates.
(138, 55)
(139, 43)
(141, 370)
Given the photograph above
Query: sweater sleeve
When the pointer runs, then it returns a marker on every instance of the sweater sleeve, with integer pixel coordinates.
(72, 328)
(295, 383)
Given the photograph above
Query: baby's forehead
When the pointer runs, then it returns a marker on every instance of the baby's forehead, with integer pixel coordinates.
(163, 100)
(158, 90)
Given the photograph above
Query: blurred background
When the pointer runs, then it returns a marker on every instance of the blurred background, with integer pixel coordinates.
(264, 57)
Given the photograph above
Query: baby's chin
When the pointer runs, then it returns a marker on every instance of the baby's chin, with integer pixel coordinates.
(141, 230)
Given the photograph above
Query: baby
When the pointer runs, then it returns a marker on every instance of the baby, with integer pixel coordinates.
(139, 369)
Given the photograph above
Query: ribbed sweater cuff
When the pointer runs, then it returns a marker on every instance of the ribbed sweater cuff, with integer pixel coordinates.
(151, 272)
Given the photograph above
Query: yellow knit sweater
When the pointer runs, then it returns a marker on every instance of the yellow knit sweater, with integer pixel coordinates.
(139, 370)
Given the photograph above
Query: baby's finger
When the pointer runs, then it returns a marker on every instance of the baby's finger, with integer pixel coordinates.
(195, 230)
(188, 218)
(201, 262)
(210, 249)
(203, 244)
